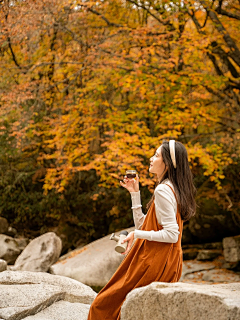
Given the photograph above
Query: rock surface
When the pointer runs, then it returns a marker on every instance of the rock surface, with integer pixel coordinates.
(3, 225)
(3, 265)
(208, 254)
(39, 254)
(93, 264)
(231, 248)
(190, 267)
(203, 251)
(24, 294)
(208, 272)
(181, 301)
(11, 232)
(9, 250)
(22, 243)
(220, 275)
(63, 310)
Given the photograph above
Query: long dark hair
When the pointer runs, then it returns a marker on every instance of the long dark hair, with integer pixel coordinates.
(181, 178)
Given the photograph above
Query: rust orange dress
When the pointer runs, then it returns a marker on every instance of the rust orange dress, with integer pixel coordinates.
(146, 262)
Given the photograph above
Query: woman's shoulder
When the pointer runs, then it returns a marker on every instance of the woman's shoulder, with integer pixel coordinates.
(163, 188)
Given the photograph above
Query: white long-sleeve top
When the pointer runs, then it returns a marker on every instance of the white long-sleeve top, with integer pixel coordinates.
(166, 210)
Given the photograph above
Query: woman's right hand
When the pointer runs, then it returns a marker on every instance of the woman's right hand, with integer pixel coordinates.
(132, 185)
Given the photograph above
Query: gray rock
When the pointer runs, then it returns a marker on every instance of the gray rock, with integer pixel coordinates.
(195, 266)
(181, 301)
(93, 264)
(11, 232)
(220, 275)
(213, 245)
(3, 265)
(231, 249)
(208, 272)
(22, 243)
(24, 293)
(223, 264)
(19, 301)
(63, 310)
(9, 250)
(208, 254)
(203, 251)
(75, 290)
(3, 225)
(39, 254)
(190, 254)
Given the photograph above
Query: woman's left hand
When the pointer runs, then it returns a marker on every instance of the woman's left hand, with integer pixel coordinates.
(130, 239)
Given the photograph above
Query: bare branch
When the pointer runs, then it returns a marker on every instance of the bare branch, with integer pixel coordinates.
(229, 41)
(112, 24)
(164, 22)
(228, 14)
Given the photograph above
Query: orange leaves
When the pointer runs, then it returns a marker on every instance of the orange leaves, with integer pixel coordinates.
(212, 159)
(101, 91)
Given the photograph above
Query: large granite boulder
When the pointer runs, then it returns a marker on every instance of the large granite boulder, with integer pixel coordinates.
(3, 225)
(9, 249)
(231, 248)
(181, 301)
(37, 295)
(39, 254)
(93, 264)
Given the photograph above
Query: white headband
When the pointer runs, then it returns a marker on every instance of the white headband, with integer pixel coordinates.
(172, 152)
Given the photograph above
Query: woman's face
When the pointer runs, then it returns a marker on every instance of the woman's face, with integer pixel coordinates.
(156, 163)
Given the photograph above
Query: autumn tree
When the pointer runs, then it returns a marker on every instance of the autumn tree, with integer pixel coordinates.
(91, 86)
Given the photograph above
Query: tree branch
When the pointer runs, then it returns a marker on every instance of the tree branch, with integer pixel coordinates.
(229, 41)
(164, 22)
(13, 54)
(195, 20)
(216, 49)
(226, 13)
(101, 16)
(214, 61)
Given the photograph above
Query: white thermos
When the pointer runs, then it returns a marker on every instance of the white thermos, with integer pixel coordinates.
(120, 247)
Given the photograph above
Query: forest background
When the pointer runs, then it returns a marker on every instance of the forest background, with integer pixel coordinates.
(89, 89)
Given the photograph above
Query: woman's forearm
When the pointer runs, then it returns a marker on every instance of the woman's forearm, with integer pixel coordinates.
(138, 215)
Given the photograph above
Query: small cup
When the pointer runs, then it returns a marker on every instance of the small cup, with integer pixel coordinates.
(131, 174)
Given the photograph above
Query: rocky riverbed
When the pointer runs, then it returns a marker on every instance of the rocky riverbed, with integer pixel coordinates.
(26, 295)
(37, 283)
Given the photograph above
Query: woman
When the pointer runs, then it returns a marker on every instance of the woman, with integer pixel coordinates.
(156, 254)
